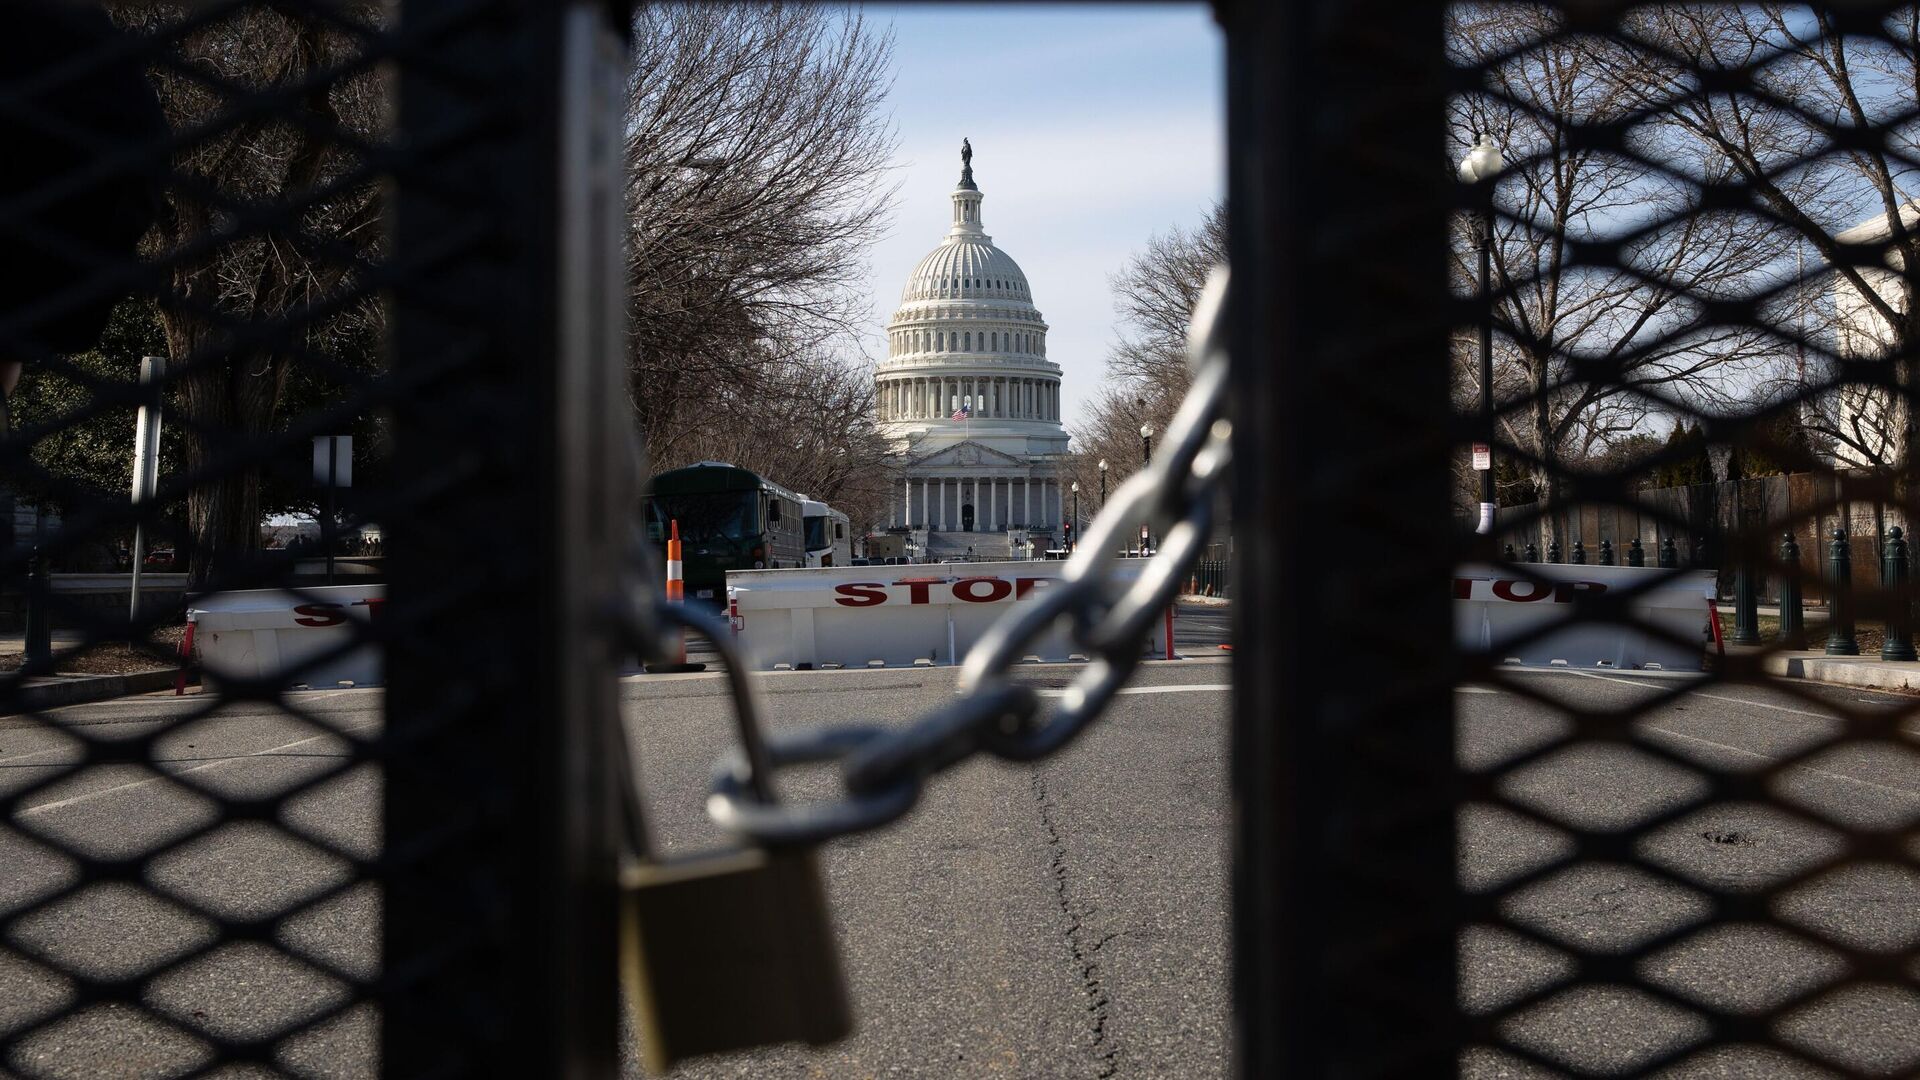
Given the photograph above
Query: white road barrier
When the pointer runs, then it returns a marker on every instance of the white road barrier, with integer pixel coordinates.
(1495, 607)
(272, 633)
(867, 616)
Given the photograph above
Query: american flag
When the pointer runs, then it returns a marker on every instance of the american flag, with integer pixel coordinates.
(964, 412)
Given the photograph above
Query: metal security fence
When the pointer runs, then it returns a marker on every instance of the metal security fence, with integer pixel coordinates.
(1210, 577)
(326, 219)
(1698, 237)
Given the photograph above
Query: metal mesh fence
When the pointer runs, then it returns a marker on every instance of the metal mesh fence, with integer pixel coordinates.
(1699, 269)
(330, 219)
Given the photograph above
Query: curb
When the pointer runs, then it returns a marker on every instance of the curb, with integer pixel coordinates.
(82, 689)
(1862, 674)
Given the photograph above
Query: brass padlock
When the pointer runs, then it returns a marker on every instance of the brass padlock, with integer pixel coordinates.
(729, 951)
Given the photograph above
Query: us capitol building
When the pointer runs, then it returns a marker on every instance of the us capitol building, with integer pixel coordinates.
(968, 396)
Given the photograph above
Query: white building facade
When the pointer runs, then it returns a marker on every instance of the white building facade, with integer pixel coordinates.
(967, 393)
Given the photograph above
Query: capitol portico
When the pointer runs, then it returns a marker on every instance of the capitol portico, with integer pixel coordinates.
(967, 392)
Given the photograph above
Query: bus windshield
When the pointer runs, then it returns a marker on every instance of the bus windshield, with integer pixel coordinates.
(817, 534)
(705, 518)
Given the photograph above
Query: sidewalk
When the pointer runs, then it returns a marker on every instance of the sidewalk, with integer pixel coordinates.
(1867, 672)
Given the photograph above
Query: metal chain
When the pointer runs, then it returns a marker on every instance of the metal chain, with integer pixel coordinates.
(884, 770)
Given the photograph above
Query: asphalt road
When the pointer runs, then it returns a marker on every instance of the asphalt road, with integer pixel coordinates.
(1059, 920)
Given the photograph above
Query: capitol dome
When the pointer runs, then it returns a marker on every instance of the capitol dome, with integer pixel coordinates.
(966, 391)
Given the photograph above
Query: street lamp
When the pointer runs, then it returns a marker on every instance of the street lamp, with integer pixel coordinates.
(1146, 458)
(1479, 168)
(1103, 483)
(1071, 544)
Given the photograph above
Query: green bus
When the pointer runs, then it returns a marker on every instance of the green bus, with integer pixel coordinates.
(730, 519)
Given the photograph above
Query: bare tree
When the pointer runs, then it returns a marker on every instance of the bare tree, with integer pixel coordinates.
(757, 152)
(1154, 295)
(1784, 149)
(266, 226)
(1588, 347)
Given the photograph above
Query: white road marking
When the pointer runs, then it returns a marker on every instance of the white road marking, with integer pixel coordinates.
(1752, 753)
(61, 803)
(1827, 717)
(1185, 688)
(1473, 690)
(1794, 768)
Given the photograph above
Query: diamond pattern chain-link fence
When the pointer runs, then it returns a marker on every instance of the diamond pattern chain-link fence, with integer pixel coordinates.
(329, 219)
(1700, 264)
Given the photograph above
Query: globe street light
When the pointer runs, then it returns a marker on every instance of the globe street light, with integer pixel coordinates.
(1478, 169)
(1103, 483)
(1146, 458)
(1074, 528)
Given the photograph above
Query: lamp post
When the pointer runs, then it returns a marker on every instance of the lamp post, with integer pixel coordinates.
(1479, 168)
(1075, 528)
(1103, 483)
(1146, 458)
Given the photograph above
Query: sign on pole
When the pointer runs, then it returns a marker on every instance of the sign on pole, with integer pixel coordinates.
(146, 469)
(1482, 457)
(333, 460)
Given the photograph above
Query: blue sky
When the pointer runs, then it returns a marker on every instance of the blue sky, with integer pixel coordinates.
(1092, 128)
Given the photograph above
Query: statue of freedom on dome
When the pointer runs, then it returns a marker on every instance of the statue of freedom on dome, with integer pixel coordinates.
(966, 154)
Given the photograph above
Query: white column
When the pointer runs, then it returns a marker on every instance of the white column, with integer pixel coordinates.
(1026, 500)
(906, 503)
(988, 526)
(994, 488)
(943, 504)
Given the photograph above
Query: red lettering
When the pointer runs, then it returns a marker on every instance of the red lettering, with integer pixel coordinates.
(1025, 585)
(373, 604)
(997, 589)
(1536, 590)
(1563, 592)
(916, 588)
(1463, 588)
(319, 615)
(860, 594)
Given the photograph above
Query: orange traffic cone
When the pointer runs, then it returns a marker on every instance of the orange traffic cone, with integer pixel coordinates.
(676, 594)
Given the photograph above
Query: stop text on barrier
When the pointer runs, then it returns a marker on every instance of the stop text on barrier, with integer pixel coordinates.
(967, 590)
(1523, 590)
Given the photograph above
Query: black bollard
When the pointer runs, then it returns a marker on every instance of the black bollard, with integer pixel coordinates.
(1606, 553)
(1840, 639)
(1553, 551)
(39, 642)
(1636, 555)
(1533, 552)
(1579, 554)
(1507, 553)
(1896, 577)
(1793, 615)
(1669, 555)
(1746, 605)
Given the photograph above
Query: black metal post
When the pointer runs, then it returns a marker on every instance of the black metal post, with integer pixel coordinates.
(1606, 553)
(1793, 616)
(1636, 554)
(1579, 554)
(1075, 542)
(1326, 763)
(39, 638)
(1507, 553)
(1669, 555)
(1896, 579)
(1553, 551)
(1533, 552)
(1840, 639)
(329, 535)
(1746, 605)
(500, 855)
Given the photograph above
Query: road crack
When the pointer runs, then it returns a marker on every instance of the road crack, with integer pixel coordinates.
(1092, 980)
